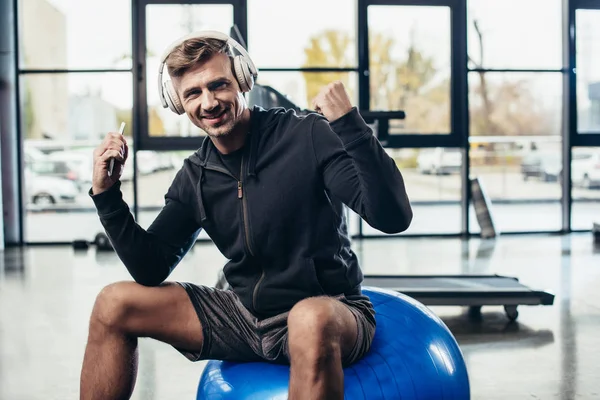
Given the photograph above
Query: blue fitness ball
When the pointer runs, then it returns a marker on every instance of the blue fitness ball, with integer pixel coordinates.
(413, 356)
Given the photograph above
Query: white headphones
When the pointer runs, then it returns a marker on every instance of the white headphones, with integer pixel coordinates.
(243, 68)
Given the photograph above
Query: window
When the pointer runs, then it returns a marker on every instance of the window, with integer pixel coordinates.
(59, 140)
(515, 34)
(585, 192)
(288, 47)
(515, 100)
(588, 70)
(165, 23)
(67, 109)
(433, 183)
(72, 34)
(521, 177)
(409, 66)
(515, 110)
(317, 33)
(300, 87)
(510, 103)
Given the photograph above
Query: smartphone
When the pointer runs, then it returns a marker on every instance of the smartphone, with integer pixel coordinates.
(112, 160)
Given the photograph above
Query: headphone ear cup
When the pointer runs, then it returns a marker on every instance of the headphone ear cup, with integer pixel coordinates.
(247, 75)
(241, 74)
(172, 98)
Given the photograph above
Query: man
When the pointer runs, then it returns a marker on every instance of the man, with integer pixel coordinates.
(268, 187)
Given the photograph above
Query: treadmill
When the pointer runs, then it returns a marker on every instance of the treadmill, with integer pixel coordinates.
(473, 291)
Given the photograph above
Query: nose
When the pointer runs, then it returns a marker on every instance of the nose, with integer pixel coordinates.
(209, 102)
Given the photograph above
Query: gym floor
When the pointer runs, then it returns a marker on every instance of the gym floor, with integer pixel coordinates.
(47, 293)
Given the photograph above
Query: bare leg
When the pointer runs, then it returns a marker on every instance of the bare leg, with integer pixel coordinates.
(123, 312)
(321, 331)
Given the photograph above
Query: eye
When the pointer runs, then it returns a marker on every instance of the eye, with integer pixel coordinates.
(190, 94)
(217, 85)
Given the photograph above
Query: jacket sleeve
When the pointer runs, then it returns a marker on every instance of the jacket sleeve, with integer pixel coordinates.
(149, 255)
(357, 171)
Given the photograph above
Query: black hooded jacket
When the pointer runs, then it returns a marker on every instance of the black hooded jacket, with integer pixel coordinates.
(282, 224)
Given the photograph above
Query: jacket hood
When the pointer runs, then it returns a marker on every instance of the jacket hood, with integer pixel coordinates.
(261, 121)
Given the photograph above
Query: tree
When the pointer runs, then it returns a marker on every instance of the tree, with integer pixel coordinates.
(395, 84)
(124, 115)
(504, 108)
(327, 49)
(411, 81)
(28, 113)
(155, 127)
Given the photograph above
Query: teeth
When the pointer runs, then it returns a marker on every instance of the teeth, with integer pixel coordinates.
(210, 117)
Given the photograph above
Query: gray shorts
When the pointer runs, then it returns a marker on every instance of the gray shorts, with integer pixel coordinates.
(232, 333)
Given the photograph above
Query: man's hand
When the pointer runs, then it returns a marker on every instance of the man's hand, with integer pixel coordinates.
(114, 146)
(333, 101)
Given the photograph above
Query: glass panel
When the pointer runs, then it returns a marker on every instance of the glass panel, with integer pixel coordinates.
(433, 184)
(585, 174)
(61, 34)
(156, 171)
(301, 87)
(164, 25)
(284, 37)
(515, 123)
(588, 70)
(409, 63)
(501, 34)
(521, 178)
(59, 140)
(511, 103)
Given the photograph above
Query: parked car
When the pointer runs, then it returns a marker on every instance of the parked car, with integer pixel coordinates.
(45, 191)
(585, 168)
(546, 166)
(439, 161)
(80, 161)
(32, 154)
(55, 168)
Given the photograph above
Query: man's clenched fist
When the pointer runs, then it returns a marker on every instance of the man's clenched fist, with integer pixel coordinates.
(333, 101)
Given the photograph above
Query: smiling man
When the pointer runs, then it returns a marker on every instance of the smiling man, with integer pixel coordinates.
(210, 94)
(268, 187)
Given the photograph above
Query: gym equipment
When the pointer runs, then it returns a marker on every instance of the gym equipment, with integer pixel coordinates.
(483, 209)
(100, 240)
(80, 244)
(413, 356)
(267, 97)
(473, 291)
(244, 69)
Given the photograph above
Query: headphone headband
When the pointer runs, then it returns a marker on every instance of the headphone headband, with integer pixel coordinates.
(200, 35)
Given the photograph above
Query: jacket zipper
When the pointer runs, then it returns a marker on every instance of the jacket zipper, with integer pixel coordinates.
(241, 196)
(247, 230)
(244, 208)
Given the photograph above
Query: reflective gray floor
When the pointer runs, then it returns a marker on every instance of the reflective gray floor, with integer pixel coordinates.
(46, 295)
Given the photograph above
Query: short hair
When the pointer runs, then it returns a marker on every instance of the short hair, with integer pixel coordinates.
(193, 52)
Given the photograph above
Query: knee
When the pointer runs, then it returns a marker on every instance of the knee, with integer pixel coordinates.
(111, 307)
(313, 329)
